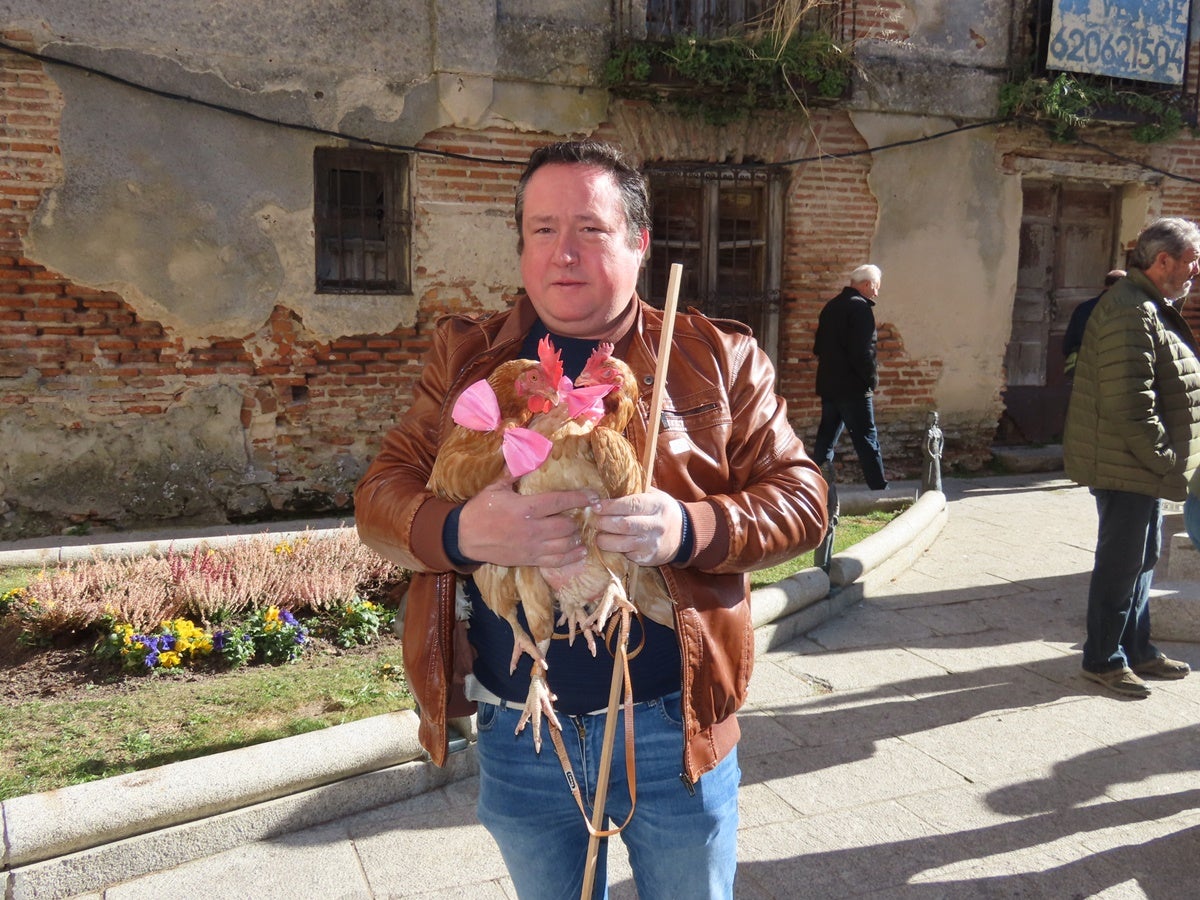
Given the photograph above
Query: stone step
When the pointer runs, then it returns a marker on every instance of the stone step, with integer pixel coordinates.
(1182, 559)
(1023, 459)
(1175, 611)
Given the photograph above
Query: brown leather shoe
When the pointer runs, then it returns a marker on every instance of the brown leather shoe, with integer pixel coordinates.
(1163, 667)
(1120, 681)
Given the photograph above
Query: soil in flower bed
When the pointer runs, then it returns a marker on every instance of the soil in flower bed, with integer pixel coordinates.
(68, 669)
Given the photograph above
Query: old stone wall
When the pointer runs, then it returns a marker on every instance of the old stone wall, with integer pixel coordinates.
(165, 359)
(111, 418)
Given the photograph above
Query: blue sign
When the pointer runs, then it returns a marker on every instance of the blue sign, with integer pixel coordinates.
(1145, 40)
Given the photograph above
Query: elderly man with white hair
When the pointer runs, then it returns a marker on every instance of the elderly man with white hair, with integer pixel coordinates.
(847, 375)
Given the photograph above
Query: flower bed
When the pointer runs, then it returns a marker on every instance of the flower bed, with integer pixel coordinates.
(226, 606)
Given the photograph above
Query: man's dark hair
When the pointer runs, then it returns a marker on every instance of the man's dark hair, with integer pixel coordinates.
(630, 182)
(1171, 236)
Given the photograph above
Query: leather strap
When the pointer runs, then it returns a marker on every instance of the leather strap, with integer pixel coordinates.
(630, 760)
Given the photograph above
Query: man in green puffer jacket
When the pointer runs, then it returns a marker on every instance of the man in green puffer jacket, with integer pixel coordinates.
(1133, 437)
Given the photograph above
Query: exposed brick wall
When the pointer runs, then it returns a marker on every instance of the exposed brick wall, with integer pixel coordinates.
(881, 20)
(314, 412)
(30, 105)
(830, 221)
(831, 216)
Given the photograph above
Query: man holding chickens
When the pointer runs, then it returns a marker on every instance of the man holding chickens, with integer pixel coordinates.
(733, 490)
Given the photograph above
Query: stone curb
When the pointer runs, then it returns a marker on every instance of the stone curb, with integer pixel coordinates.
(47, 551)
(55, 823)
(871, 552)
(81, 838)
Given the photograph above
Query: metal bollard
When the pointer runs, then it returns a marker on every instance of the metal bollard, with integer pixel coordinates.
(931, 479)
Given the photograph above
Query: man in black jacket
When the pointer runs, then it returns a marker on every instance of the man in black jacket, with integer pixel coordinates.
(1073, 336)
(847, 375)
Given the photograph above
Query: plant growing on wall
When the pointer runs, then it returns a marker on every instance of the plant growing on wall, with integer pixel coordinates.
(1068, 103)
(723, 79)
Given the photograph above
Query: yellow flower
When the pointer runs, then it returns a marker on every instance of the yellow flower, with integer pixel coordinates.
(169, 659)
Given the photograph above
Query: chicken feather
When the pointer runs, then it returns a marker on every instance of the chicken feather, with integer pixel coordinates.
(528, 394)
(591, 453)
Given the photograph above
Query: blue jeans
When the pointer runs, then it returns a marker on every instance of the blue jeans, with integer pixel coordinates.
(682, 841)
(1127, 547)
(856, 415)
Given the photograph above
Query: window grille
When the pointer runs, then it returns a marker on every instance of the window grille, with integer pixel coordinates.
(665, 19)
(1030, 49)
(363, 221)
(725, 226)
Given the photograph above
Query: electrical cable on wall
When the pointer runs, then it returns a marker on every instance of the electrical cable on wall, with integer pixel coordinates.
(446, 154)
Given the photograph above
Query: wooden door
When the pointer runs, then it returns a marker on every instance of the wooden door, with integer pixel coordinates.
(1066, 248)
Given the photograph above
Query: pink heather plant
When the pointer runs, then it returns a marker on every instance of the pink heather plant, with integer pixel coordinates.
(306, 574)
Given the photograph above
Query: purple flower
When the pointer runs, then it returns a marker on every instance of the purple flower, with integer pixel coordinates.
(219, 639)
(287, 617)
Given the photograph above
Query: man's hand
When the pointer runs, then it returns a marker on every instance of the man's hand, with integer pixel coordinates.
(647, 527)
(503, 527)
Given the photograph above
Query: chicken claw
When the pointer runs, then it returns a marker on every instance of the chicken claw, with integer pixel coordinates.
(614, 598)
(577, 622)
(523, 643)
(540, 701)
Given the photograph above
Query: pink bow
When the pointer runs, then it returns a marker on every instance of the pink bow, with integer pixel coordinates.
(477, 407)
(588, 402)
(524, 450)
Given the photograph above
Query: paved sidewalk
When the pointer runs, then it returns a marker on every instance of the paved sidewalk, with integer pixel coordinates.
(934, 741)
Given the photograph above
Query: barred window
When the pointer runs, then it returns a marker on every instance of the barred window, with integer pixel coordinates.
(704, 18)
(667, 19)
(363, 221)
(725, 226)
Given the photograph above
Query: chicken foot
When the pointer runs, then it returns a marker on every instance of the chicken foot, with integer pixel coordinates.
(523, 643)
(539, 702)
(614, 598)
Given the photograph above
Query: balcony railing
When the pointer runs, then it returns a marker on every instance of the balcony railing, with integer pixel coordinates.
(667, 19)
(1031, 52)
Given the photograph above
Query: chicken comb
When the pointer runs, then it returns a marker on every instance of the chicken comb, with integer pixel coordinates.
(551, 360)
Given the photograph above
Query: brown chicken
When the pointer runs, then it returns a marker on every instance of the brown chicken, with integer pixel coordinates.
(588, 451)
(648, 590)
(528, 395)
(470, 459)
(596, 456)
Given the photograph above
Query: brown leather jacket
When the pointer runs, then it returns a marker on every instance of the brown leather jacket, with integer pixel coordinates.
(725, 449)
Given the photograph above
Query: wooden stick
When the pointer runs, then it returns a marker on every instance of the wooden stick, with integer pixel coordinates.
(614, 692)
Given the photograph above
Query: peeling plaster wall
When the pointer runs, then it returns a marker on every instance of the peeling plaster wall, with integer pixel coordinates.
(176, 467)
(162, 203)
(947, 240)
(238, 390)
(203, 220)
(475, 248)
(952, 61)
